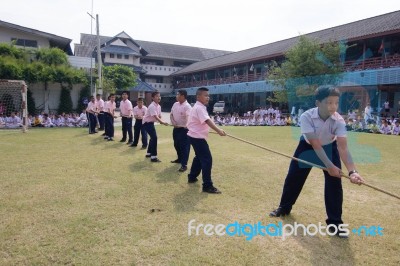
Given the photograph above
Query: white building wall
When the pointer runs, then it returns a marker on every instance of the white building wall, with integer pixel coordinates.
(7, 34)
(53, 95)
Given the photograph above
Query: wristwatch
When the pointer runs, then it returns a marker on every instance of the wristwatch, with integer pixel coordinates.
(352, 172)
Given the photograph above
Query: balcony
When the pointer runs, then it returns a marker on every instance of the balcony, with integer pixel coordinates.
(163, 88)
(373, 63)
(221, 81)
(159, 70)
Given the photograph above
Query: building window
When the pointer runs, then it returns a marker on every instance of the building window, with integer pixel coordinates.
(155, 68)
(111, 55)
(126, 56)
(169, 69)
(25, 43)
(119, 56)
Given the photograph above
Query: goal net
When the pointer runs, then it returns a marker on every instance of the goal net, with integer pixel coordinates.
(13, 104)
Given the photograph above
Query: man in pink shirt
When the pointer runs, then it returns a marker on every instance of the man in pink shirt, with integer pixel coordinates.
(138, 112)
(92, 111)
(126, 114)
(100, 110)
(179, 117)
(109, 116)
(198, 124)
(153, 114)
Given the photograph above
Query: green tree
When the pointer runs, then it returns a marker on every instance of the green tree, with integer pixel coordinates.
(119, 76)
(65, 101)
(308, 65)
(84, 93)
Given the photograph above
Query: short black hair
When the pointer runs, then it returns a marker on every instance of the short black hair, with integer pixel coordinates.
(154, 93)
(111, 95)
(127, 93)
(183, 93)
(325, 91)
(140, 99)
(98, 94)
(200, 90)
(91, 97)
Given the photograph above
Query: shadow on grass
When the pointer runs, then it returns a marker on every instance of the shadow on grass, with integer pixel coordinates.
(332, 248)
(169, 174)
(187, 200)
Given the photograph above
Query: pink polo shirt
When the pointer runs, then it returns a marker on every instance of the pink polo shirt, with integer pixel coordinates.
(126, 108)
(140, 112)
(109, 107)
(180, 113)
(152, 110)
(100, 105)
(197, 125)
(91, 107)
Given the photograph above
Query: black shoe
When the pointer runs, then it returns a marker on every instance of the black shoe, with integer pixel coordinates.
(176, 161)
(133, 145)
(279, 212)
(110, 139)
(96, 132)
(103, 134)
(105, 137)
(122, 140)
(155, 160)
(192, 180)
(339, 233)
(143, 147)
(182, 169)
(211, 190)
(148, 155)
(129, 143)
(92, 132)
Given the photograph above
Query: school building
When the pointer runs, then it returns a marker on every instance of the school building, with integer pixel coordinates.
(371, 63)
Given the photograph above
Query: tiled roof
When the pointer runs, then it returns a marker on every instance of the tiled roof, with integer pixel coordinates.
(142, 86)
(154, 49)
(374, 26)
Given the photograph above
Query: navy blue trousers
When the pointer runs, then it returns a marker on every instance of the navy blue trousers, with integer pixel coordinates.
(297, 176)
(101, 120)
(181, 144)
(109, 124)
(127, 128)
(151, 130)
(92, 122)
(139, 128)
(202, 161)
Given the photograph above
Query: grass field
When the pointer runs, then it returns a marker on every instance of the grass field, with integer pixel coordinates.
(71, 198)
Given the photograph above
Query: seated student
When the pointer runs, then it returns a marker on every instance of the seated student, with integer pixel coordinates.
(2, 120)
(47, 121)
(13, 121)
(384, 128)
(69, 121)
(29, 121)
(82, 120)
(396, 128)
(37, 122)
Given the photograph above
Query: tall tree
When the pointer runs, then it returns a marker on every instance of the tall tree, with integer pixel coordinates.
(308, 65)
(119, 76)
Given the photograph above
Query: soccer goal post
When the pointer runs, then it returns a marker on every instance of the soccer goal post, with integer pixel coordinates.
(13, 104)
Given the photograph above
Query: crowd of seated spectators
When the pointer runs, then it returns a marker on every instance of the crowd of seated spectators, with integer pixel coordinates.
(45, 120)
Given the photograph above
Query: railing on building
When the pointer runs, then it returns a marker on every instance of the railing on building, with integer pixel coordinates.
(220, 81)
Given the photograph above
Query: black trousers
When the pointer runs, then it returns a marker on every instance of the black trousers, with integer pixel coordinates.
(151, 130)
(101, 120)
(92, 122)
(109, 125)
(127, 128)
(181, 144)
(202, 161)
(139, 128)
(297, 176)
